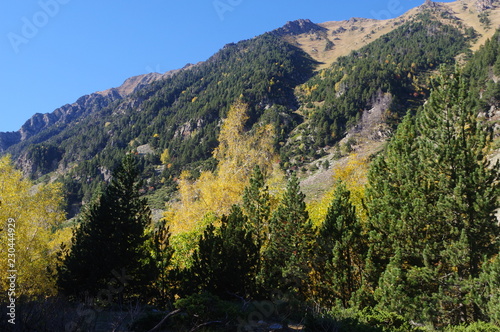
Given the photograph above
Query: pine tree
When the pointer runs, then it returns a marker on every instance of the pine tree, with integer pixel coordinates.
(465, 187)
(162, 252)
(110, 241)
(340, 250)
(287, 256)
(433, 198)
(395, 196)
(257, 208)
(257, 205)
(225, 263)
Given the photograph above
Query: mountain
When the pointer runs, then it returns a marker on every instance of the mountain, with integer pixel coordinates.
(338, 38)
(81, 108)
(318, 84)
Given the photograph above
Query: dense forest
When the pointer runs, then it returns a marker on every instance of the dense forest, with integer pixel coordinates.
(406, 240)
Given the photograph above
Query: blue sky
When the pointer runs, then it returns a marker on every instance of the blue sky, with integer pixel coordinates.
(54, 51)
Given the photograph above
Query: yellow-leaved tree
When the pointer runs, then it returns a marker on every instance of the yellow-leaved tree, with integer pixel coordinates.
(30, 231)
(353, 172)
(237, 154)
(211, 195)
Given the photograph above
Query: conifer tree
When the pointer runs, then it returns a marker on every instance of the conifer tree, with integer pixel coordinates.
(162, 252)
(339, 251)
(225, 263)
(257, 205)
(395, 196)
(287, 256)
(433, 199)
(110, 241)
(257, 208)
(464, 187)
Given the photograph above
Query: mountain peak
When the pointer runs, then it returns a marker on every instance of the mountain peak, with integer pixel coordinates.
(429, 4)
(298, 27)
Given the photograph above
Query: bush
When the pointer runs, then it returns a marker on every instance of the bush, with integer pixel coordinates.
(206, 307)
(367, 320)
(474, 327)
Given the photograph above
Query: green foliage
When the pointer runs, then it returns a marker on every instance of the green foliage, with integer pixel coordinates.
(161, 255)
(110, 240)
(44, 158)
(488, 292)
(286, 255)
(478, 71)
(474, 327)
(205, 307)
(339, 252)
(226, 259)
(257, 206)
(432, 204)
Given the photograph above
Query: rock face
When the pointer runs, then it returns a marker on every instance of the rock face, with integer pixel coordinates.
(484, 5)
(298, 27)
(429, 4)
(65, 114)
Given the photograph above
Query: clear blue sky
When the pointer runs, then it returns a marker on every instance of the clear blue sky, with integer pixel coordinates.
(54, 51)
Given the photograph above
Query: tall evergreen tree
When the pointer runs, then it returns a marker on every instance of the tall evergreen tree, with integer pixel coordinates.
(287, 256)
(162, 252)
(110, 241)
(396, 203)
(257, 205)
(339, 251)
(433, 199)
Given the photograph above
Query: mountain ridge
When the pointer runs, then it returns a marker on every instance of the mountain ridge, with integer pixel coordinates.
(326, 43)
(82, 107)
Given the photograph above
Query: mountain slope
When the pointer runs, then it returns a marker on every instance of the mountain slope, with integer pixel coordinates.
(83, 107)
(276, 74)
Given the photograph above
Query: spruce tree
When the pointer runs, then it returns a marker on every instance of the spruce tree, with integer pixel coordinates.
(108, 246)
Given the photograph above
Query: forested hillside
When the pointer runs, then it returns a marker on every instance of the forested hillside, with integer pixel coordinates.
(407, 238)
(180, 114)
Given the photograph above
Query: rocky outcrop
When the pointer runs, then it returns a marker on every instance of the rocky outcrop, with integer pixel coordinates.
(483, 5)
(430, 4)
(298, 27)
